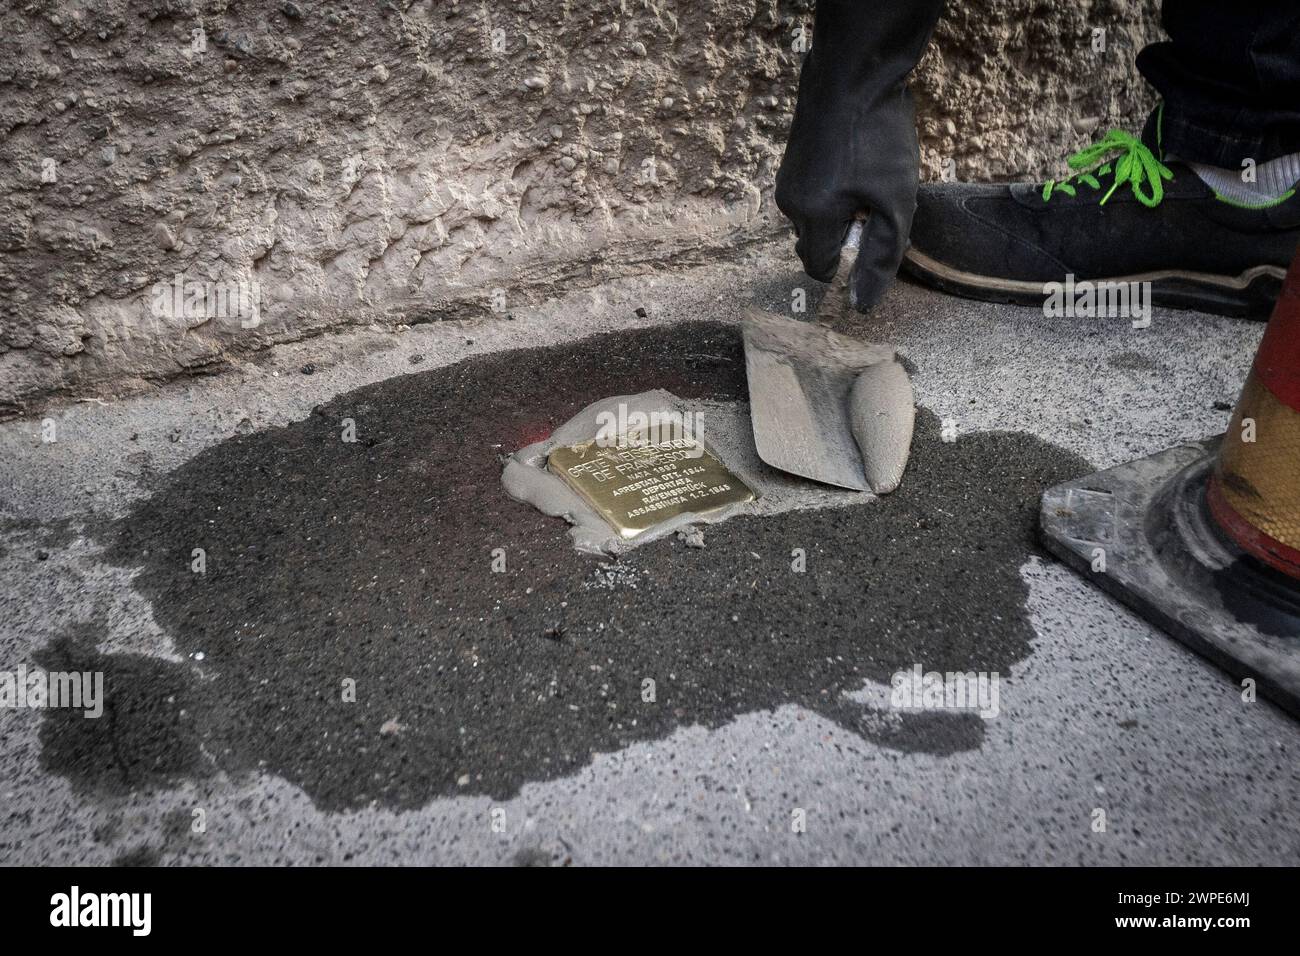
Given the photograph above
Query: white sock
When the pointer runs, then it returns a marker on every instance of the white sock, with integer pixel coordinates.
(1273, 180)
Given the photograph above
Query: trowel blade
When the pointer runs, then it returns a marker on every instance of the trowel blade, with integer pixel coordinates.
(802, 402)
(882, 414)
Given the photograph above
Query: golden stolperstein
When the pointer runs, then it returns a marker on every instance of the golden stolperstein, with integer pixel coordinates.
(635, 485)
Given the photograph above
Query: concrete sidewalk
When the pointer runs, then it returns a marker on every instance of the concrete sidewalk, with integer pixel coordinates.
(501, 717)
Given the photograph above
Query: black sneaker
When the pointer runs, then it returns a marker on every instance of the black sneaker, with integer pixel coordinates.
(1125, 217)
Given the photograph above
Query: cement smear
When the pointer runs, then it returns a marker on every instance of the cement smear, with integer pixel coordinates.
(727, 433)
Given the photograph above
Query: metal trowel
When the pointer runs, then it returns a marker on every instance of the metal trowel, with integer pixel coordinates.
(826, 406)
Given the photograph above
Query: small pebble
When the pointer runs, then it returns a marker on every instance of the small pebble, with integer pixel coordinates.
(692, 537)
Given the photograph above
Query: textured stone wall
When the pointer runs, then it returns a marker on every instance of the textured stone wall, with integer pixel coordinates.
(404, 161)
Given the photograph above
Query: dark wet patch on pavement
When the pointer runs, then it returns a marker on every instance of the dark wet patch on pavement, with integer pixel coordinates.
(1134, 361)
(371, 562)
(147, 737)
(138, 857)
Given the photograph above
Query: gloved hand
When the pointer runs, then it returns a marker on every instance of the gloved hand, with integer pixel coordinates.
(852, 145)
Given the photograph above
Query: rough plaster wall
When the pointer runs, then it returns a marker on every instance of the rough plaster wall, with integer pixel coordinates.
(394, 162)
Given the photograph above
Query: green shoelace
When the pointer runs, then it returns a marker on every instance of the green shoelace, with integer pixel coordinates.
(1137, 166)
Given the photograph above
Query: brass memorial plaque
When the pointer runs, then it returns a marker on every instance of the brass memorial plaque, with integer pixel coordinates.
(638, 485)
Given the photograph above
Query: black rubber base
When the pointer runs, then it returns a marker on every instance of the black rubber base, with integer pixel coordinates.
(1164, 557)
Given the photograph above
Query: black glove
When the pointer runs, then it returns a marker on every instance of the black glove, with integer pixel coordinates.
(852, 145)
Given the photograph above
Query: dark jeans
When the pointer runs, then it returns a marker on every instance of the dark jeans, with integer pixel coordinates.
(1230, 77)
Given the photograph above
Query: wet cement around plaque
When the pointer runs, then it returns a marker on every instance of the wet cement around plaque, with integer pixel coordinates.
(609, 495)
(372, 562)
(639, 484)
